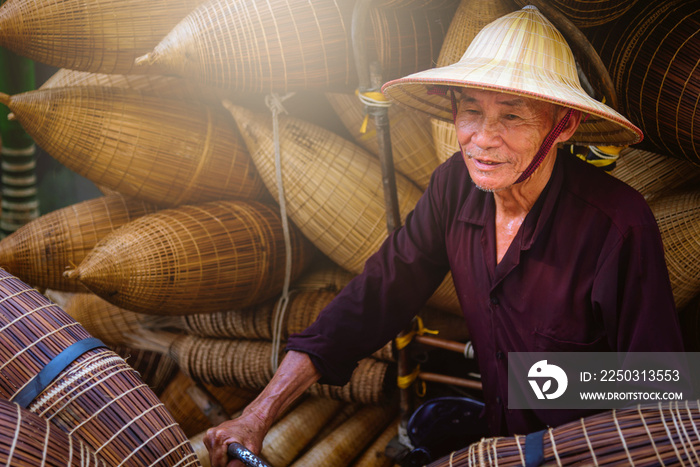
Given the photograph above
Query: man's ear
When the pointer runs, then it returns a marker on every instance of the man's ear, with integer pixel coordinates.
(571, 125)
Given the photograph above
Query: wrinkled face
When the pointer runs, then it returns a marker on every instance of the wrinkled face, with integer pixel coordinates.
(500, 135)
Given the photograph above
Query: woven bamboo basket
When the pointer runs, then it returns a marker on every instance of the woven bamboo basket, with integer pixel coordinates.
(188, 415)
(27, 439)
(333, 190)
(155, 369)
(663, 434)
(165, 151)
(91, 35)
(411, 141)
(256, 322)
(249, 46)
(653, 174)
(39, 252)
(109, 323)
(98, 397)
(651, 52)
(471, 16)
(678, 216)
(323, 274)
(293, 433)
(374, 455)
(194, 259)
(171, 87)
(407, 40)
(246, 364)
(343, 444)
(421, 4)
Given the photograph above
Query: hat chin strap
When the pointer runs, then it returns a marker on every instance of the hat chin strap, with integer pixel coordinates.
(544, 148)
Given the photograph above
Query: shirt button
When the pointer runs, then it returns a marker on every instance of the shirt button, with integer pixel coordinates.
(499, 355)
(498, 399)
(494, 300)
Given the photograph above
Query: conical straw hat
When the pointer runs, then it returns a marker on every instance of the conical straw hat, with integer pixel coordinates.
(523, 54)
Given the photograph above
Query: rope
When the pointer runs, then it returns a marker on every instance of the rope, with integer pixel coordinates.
(670, 436)
(554, 447)
(403, 341)
(371, 99)
(622, 436)
(274, 103)
(588, 441)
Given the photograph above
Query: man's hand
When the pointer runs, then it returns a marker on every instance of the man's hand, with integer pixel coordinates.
(294, 376)
(248, 430)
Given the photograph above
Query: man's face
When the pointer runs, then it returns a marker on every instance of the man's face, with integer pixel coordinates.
(500, 134)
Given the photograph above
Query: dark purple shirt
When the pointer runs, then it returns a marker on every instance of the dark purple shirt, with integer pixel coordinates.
(585, 272)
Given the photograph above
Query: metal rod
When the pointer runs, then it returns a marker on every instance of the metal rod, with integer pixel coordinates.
(453, 380)
(431, 341)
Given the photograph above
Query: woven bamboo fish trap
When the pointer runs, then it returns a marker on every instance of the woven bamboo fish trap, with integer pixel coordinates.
(374, 455)
(651, 53)
(333, 190)
(663, 434)
(252, 46)
(39, 252)
(653, 174)
(352, 437)
(256, 322)
(471, 16)
(678, 216)
(155, 369)
(171, 87)
(98, 397)
(90, 35)
(407, 40)
(293, 433)
(411, 141)
(323, 274)
(188, 415)
(165, 151)
(246, 364)
(27, 439)
(211, 257)
(589, 13)
(109, 323)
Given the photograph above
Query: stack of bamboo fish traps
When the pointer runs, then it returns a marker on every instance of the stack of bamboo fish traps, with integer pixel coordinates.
(209, 250)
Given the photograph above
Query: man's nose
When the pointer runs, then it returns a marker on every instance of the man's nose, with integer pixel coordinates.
(487, 134)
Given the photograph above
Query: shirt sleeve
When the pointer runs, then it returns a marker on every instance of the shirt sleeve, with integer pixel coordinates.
(633, 293)
(377, 304)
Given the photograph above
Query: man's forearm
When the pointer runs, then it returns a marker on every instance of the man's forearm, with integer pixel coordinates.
(295, 375)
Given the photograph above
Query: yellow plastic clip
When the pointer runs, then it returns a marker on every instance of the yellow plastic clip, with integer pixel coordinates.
(406, 381)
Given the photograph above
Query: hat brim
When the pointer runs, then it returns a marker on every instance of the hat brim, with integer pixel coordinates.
(601, 125)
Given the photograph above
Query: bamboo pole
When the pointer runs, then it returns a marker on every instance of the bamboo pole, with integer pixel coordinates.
(20, 204)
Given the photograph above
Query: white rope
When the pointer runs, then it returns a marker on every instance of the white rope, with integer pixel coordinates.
(274, 103)
(371, 102)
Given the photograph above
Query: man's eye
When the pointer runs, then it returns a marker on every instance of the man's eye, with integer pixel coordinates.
(512, 117)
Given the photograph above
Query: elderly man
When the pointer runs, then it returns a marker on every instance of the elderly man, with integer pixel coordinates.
(547, 252)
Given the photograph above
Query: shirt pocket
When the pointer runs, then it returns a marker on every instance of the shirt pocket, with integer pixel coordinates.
(545, 343)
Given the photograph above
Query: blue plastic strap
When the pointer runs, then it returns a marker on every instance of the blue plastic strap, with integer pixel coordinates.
(53, 369)
(534, 449)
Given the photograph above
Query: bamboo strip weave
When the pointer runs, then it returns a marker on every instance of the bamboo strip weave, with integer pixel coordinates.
(27, 439)
(162, 150)
(90, 35)
(661, 434)
(98, 398)
(41, 251)
(206, 258)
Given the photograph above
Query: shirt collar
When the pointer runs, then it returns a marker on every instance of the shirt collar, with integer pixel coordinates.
(480, 208)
